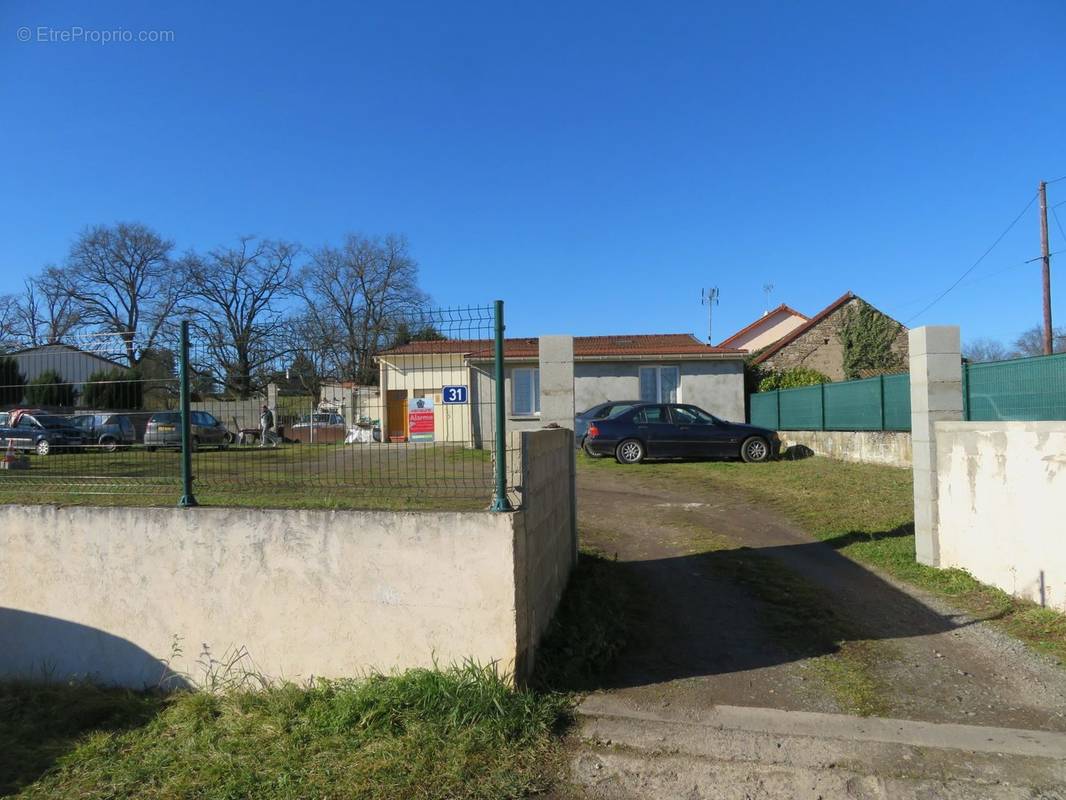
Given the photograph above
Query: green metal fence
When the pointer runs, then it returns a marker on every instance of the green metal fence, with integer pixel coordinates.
(190, 422)
(1021, 389)
(882, 403)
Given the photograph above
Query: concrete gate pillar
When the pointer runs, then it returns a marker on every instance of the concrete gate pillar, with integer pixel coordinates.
(936, 396)
(557, 381)
(557, 405)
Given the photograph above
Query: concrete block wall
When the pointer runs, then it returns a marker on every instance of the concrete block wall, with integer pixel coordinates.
(106, 593)
(546, 543)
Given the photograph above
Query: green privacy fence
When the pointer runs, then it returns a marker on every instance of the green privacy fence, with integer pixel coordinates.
(882, 403)
(1022, 389)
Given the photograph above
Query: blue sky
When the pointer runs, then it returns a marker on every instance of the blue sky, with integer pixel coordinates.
(593, 164)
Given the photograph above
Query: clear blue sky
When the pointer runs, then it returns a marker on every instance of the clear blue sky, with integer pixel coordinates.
(592, 164)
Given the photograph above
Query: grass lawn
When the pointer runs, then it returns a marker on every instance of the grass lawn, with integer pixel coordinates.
(866, 512)
(437, 477)
(458, 733)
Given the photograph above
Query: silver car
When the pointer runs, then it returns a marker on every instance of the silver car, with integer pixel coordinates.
(164, 430)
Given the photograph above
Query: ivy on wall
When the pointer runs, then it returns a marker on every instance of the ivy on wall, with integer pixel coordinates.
(791, 379)
(867, 336)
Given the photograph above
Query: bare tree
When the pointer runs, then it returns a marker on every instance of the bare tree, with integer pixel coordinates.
(45, 312)
(233, 294)
(1031, 342)
(355, 296)
(122, 280)
(978, 350)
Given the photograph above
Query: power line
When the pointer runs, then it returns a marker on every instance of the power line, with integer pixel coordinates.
(1058, 222)
(1061, 178)
(975, 264)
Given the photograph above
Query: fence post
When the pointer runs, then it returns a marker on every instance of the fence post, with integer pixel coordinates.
(881, 380)
(499, 500)
(777, 399)
(823, 404)
(187, 498)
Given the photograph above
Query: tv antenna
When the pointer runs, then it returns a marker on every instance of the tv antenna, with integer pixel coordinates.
(767, 289)
(709, 298)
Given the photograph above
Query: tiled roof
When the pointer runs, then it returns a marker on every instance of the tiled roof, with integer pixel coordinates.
(752, 325)
(792, 336)
(655, 344)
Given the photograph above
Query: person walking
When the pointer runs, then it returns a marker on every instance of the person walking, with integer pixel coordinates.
(266, 428)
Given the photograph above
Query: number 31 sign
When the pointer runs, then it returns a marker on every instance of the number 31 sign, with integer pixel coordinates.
(453, 395)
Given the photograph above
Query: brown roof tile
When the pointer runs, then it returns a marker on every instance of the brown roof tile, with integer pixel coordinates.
(657, 344)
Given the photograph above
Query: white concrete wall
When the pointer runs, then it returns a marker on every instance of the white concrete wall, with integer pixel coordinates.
(1002, 505)
(106, 592)
(890, 448)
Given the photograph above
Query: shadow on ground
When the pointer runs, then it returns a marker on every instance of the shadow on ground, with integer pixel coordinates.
(45, 711)
(728, 610)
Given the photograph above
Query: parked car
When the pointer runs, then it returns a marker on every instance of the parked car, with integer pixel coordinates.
(322, 426)
(164, 430)
(675, 430)
(40, 432)
(601, 411)
(107, 430)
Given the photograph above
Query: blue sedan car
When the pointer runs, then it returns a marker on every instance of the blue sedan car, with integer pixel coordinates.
(675, 430)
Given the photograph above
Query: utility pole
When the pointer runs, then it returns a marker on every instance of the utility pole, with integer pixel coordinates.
(1046, 260)
(709, 298)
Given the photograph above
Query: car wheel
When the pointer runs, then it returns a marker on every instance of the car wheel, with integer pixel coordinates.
(43, 448)
(588, 451)
(149, 448)
(630, 451)
(109, 444)
(755, 450)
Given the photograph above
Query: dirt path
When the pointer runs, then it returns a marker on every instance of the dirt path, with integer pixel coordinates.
(738, 607)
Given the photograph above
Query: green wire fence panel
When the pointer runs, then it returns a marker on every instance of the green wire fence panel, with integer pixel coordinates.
(1022, 389)
(801, 409)
(764, 410)
(398, 413)
(871, 404)
(854, 405)
(897, 402)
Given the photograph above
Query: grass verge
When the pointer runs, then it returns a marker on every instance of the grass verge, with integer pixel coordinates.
(866, 512)
(457, 733)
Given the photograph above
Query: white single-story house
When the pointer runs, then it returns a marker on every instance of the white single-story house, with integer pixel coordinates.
(453, 381)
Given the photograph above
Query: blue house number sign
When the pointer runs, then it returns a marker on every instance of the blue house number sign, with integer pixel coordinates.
(454, 395)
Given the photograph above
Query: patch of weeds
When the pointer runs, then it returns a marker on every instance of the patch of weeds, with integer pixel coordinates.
(590, 626)
(463, 732)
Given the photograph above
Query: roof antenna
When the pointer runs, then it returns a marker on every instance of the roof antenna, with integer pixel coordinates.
(767, 289)
(709, 298)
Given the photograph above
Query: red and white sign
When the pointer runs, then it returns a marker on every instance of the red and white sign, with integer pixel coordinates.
(420, 419)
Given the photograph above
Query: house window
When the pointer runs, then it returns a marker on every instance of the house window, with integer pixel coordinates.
(660, 384)
(525, 392)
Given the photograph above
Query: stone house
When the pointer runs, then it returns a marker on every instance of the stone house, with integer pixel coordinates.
(816, 344)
